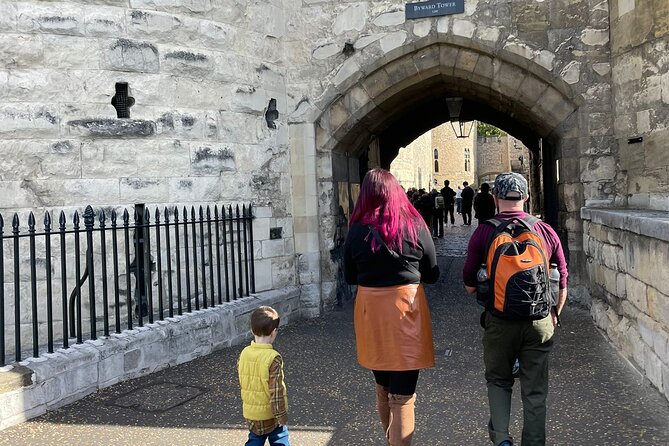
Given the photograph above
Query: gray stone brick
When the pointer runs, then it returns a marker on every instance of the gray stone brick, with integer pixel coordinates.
(130, 55)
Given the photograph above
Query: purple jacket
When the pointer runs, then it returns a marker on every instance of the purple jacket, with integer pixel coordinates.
(477, 250)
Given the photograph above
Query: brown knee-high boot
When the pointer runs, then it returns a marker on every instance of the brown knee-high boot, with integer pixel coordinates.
(401, 427)
(382, 406)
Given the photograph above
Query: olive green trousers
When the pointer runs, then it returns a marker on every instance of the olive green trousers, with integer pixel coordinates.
(530, 342)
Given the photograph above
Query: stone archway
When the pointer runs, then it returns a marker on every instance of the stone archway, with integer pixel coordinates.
(513, 92)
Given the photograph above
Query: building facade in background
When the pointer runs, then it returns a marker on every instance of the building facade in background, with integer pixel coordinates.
(435, 156)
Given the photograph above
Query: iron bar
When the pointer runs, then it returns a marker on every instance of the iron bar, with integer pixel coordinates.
(239, 252)
(168, 251)
(17, 290)
(232, 253)
(33, 284)
(139, 261)
(211, 259)
(89, 221)
(204, 268)
(197, 293)
(246, 251)
(147, 263)
(185, 223)
(117, 300)
(77, 270)
(252, 265)
(63, 278)
(225, 256)
(178, 251)
(159, 266)
(105, 289)
(49, 288)
(218, 255)
(126, 235)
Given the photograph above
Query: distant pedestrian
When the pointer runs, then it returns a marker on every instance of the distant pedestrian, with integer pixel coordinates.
(260, 369)
(449, 201)
(519, 320)
(426, 207)
(438, 214)
(388, 253)
(458, 200)
(484, 204)
(467, 195)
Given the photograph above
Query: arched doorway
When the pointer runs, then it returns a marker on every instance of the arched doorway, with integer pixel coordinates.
(378, 108)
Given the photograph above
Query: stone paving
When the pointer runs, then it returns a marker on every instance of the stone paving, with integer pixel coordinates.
(596, 397)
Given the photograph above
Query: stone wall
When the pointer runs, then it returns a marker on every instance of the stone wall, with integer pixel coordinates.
(639, 45)
(498, 154)
(628, 254)
(493, 156)
(208, 123)
(413, 166)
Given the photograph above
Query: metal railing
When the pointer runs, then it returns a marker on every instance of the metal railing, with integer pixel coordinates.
(201, 260)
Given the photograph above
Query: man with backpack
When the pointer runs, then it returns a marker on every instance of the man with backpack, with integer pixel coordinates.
(514, 251)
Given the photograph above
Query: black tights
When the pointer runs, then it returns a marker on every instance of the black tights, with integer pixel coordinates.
(398, 383)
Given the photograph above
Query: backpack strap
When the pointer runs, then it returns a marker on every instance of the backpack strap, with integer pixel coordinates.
(499, 226)
(527, 221)
(402, 261)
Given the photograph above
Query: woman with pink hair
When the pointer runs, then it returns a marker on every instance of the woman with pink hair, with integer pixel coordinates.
(387, 253)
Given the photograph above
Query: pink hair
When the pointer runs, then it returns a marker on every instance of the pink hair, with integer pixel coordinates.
(384, 204)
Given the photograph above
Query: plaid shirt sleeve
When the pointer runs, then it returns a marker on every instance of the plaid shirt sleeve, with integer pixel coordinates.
(277, 397)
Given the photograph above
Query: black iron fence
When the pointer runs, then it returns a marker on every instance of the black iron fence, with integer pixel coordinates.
(65, 276)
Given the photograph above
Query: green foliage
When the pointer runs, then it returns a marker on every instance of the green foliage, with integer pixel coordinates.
(489, 130)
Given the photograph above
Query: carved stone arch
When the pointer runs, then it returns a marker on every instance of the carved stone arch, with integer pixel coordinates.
(361, 103)
(366, 98)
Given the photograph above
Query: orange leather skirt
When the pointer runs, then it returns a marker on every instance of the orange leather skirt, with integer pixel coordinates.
(393, 329)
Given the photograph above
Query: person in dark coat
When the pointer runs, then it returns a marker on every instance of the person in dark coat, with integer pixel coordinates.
(484, 204)
(449, 201)
(467, 201)
(426, 207)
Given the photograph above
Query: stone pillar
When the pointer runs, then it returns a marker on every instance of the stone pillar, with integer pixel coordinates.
(302, 142)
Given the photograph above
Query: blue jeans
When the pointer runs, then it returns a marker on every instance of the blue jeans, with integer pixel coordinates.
(278, 437)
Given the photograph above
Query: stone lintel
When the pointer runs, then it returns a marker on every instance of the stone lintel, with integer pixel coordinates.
(114, 128)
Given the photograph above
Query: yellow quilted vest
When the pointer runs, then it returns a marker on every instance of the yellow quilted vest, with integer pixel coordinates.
(253, 369)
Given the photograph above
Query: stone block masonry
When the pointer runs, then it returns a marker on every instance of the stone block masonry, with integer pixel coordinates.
(38, 385)
(628, 254)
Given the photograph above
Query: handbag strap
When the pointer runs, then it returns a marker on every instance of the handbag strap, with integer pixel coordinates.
(404, 262)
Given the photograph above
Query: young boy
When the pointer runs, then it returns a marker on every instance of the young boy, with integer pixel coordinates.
(260, 369)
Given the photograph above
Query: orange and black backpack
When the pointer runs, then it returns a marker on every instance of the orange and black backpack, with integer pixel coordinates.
(517, 267)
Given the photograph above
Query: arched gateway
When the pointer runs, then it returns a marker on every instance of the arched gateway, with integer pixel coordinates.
(375, 106)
